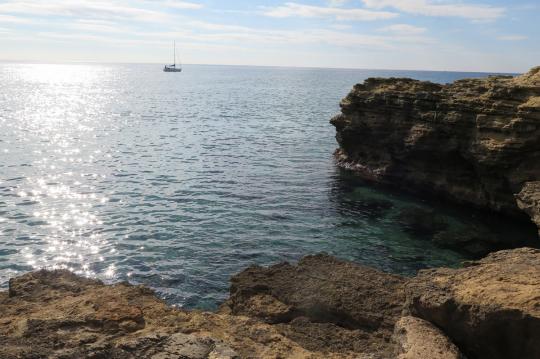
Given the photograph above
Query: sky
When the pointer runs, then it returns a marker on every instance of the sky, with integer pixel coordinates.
(448, 35)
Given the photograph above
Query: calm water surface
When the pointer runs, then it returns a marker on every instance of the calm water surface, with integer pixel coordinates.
(178, 181)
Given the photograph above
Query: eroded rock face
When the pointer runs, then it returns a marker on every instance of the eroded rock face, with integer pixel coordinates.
(322, 288)
(529, 201)
(490, 309)
(59, 315)
(325, 302)
(322, 308)
(416, 338)
(475, 141)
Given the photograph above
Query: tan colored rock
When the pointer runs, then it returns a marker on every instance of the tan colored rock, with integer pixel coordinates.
(490, 309)
(323, 302)
(323, 288)
(56, 314)
(416, 339)
(474, 141)
(529, 201)
(321, 307)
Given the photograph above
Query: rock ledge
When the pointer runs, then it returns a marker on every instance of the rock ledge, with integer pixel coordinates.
(321, 307)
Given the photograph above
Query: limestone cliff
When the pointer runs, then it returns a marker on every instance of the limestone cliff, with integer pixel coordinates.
(475, 141)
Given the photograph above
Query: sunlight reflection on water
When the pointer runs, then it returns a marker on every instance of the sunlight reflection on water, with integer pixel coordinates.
(177, 181)
(52, 119)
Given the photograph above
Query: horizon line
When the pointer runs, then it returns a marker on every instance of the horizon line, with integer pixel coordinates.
(248, 65)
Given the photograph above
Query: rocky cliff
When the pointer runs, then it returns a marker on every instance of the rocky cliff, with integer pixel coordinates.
(321, 307)
(475, 141)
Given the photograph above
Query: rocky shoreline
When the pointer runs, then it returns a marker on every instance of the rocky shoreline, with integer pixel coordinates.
(321, 307)
(474, 141)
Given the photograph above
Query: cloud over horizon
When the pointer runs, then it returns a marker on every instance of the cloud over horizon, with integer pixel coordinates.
(478, 12)
(291, 9)
(333, 33)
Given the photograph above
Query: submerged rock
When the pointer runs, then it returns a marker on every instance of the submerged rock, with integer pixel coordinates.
(421, 222)
(475, 141)
(490, 309)
(371, 208)
(473, 241)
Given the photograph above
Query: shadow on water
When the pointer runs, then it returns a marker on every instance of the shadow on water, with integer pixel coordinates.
(425, 224)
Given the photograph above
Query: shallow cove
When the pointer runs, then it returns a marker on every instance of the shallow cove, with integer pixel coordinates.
(178, 181)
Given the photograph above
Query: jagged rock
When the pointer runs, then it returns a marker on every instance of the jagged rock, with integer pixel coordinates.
(416, 338)
(323, 300)
(475, 141)
(58, 314)
(322, 288)
(490, 309)
(529, 201)
(187, 346)
(321, 307)
(55, 314)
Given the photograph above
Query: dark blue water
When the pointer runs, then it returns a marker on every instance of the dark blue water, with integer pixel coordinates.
(178, 181)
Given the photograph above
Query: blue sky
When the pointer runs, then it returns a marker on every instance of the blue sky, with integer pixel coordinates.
(477, 35)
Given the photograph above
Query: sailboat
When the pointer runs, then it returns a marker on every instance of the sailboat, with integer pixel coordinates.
(173, 67)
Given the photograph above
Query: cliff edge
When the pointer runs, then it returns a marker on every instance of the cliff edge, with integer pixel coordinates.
(474, 141)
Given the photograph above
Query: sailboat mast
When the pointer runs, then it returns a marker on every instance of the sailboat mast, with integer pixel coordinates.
(174, 53)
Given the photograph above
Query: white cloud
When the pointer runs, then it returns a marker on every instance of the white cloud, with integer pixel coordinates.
(404, 29)
(101, 26)
(228, 35)
(512, 38)
(300, 10)
(81, 9)
(341, 26)
(217, 27)
(476, 12)
(94, 16)
(179, 4)
(142, 30)
(5, 19)
(337, 3)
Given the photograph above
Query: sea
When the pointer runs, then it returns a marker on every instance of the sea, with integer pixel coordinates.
(179, 180)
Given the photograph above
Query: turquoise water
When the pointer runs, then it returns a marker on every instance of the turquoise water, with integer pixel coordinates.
(178, 181)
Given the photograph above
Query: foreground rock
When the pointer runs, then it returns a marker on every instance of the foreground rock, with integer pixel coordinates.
(475, 141)
(416, 338)
(57, 314)
(328, 303)
(490, 309)
(320, 308)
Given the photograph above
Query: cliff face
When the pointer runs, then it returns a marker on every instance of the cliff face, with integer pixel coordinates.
(490, 308)
(321, 307)
(475, 141)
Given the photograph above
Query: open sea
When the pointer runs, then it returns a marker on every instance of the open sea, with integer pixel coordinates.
(179, 180)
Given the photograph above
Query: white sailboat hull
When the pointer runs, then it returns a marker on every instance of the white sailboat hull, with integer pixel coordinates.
(171, 69)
